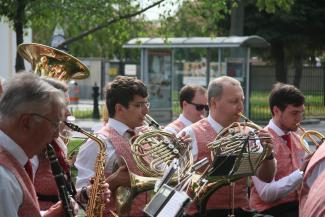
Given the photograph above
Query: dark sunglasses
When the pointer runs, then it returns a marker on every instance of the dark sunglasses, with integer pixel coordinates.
(200, 107)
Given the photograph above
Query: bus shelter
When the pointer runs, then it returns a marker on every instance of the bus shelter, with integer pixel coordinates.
(167, 64)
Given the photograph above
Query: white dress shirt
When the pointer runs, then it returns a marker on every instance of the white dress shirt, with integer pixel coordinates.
(182, 119)
(189, 131)
(88, 152)
(277, 189)
(11, 193)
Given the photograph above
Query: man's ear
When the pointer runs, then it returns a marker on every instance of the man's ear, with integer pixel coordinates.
(213, 101)
(118, 107)
(276, 110)
(24, 122)
(184, 103)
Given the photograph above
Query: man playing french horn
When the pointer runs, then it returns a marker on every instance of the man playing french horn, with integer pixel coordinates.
(127, 103)
(225, 99)
(280, 197)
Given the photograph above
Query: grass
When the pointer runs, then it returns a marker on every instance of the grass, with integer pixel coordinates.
(259, 107)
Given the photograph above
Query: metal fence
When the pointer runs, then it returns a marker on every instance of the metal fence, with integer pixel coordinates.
(312, 85)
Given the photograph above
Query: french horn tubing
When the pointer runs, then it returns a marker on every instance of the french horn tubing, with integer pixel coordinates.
(152, 150)
(237, 145)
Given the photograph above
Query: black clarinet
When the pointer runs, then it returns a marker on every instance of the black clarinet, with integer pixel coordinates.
(60, 181)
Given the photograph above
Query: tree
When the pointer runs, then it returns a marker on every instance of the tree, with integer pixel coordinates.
(293, 35)
(91, 15)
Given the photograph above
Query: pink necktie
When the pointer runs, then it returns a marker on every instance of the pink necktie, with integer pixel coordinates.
(287, 139)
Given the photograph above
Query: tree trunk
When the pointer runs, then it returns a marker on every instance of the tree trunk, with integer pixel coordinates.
(19, 29)
(277, 52)
(298, 63)
(237, 19)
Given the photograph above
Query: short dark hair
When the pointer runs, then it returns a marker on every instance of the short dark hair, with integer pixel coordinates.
(187, 93)
(122, 90)
(283, 95)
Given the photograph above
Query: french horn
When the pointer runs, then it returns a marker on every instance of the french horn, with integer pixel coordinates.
(152, 150)
(236, 152)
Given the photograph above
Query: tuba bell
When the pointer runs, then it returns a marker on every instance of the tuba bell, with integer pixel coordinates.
(236, 152)
(51, 62)
(152, 150)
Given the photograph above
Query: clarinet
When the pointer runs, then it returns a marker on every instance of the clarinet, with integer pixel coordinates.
(60, 181)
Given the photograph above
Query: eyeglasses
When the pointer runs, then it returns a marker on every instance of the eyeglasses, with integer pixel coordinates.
(200, 107)
(56, 125)
(141, 104)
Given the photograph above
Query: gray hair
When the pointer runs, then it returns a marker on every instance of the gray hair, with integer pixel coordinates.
(215, 88)
(27, 93)
(55, 83)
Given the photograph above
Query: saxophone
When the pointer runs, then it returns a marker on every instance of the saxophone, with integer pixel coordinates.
(95, 205)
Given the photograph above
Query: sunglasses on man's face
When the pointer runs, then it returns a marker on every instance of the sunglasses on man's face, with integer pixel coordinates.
(200, 107)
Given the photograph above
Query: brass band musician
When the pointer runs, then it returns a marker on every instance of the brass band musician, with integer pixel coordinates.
(280, 197)
(127, 103)
(225, 99)
(193, 103)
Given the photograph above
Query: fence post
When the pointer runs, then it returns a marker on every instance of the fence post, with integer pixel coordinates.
(95, 96)
(323, 67)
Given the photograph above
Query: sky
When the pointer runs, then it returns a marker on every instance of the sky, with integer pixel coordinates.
(153, 13)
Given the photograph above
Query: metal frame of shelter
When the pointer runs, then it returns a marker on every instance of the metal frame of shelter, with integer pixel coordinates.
(235, 64)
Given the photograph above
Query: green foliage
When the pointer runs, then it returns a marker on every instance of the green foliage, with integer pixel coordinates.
(272, 6)
(84, 15)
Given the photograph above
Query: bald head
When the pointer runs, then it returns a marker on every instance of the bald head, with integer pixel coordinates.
(216, 86)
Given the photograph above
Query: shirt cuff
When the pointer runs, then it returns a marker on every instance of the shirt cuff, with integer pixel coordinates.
(297, 175)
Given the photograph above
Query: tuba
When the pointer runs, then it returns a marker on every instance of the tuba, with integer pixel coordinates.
(236, 152)
(314, 136)
(152, 150)
(53, 63)
(50, 62)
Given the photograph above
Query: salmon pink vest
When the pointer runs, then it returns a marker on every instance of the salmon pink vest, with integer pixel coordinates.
(29, 206)
(318, 156)
(221, 199)
(177, 125)
(314, 204)
(288, 160)
(122, 148)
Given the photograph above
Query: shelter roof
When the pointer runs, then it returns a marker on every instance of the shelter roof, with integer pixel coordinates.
(198, 42)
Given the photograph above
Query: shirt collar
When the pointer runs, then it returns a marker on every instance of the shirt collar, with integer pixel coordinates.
(275, 128)
(120, 127)
(13, 148)
(215, 125)
(184, 120)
